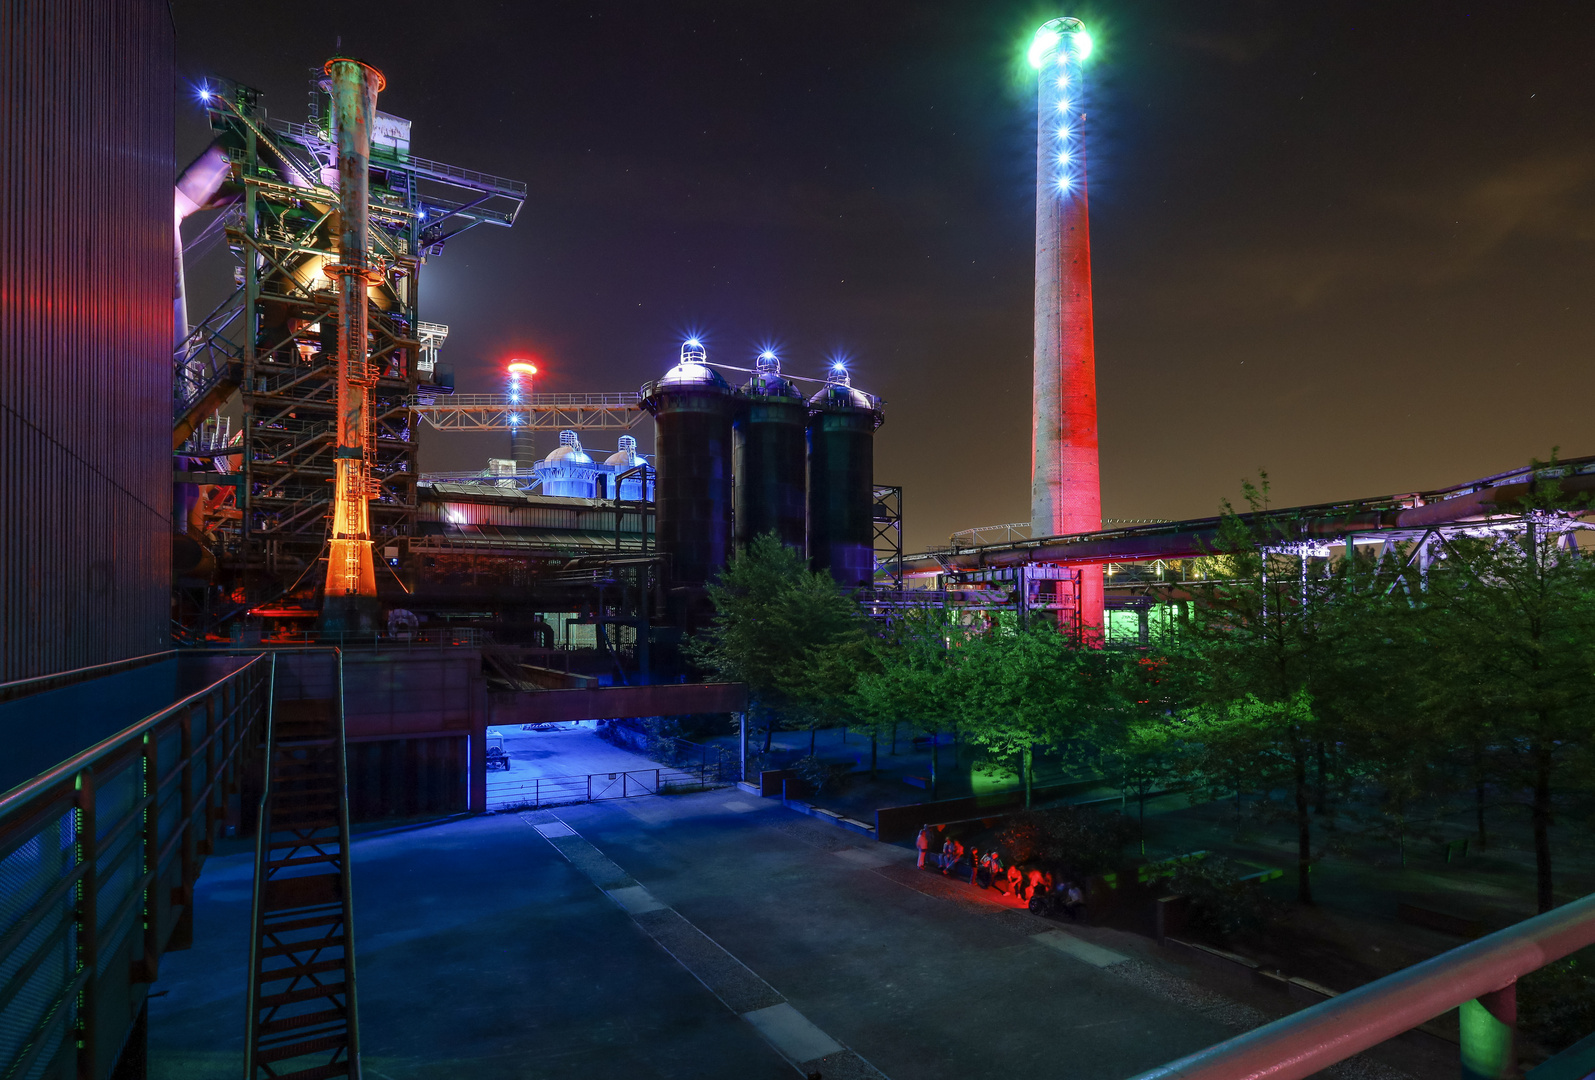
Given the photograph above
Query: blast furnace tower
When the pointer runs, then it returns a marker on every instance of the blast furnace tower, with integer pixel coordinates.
(1065, 487)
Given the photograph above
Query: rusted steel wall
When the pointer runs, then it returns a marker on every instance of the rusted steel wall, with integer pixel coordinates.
(86, 279)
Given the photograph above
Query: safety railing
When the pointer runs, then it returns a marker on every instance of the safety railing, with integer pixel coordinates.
(627, 399)
(98, 858)
(1480, 977)
(504, 792)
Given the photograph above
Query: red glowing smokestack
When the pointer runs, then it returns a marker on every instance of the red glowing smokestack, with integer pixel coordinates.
(1065, 486)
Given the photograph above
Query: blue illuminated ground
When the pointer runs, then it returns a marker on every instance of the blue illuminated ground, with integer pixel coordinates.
(484, 952)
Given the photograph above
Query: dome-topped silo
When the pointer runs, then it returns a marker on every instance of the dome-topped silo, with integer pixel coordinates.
(568, 471)
(624, 460)
(692, 407)
(768, 449)
(841, 480)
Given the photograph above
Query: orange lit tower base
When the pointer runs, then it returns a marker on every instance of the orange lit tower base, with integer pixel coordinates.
(349, 605)
(1065, 488)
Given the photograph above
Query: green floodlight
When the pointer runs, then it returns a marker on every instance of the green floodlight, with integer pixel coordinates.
(1051, 35)
(1043, 43)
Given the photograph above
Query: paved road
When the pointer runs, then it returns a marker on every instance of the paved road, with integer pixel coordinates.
(693, 936)
(917, 984)
(482, 953)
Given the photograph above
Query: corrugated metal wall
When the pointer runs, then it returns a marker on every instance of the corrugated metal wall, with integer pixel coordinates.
(525, 515)
(86, 174)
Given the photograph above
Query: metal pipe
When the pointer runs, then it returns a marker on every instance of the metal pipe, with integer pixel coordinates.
(197, 189)
(1199, 536)
(349, 604)
(1309, 1041)
(1501, 498)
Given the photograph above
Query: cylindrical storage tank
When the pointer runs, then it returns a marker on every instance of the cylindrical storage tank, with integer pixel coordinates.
(569, 471)
(841, 475)
(692, 408)
(632, 488)
(522, 450)
(769, 459)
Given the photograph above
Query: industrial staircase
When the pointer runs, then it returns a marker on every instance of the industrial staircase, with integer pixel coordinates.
(302, 1016)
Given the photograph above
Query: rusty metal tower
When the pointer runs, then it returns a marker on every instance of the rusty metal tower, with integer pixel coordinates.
(319, 347)
(350, 601)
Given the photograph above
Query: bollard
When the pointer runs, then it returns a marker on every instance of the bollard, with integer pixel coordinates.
(1489, 1035)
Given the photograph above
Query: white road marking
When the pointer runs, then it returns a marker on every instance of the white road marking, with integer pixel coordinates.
(1080, 950)
(792, 1033)
(867, 857)
(635, 899)
(554, 828)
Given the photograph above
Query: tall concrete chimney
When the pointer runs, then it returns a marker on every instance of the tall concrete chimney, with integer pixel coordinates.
(1065, 487)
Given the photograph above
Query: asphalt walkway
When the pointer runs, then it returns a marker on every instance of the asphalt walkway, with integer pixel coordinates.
(702, 935)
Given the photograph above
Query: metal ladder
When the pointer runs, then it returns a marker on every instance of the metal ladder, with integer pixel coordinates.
(302, 1016)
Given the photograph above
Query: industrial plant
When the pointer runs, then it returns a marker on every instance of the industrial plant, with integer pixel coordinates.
(281, 629)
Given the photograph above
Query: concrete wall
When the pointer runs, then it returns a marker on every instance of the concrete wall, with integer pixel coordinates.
(616, 702)
(416, 720)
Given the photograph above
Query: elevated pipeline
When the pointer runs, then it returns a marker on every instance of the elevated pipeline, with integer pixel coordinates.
(1329, 521)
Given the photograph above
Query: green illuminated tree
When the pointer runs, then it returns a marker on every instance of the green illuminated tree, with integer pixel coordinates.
(1029, 690)
(789, 633)
(1247, 664)
(1508, 621)
(915, 676)
(1136, 737)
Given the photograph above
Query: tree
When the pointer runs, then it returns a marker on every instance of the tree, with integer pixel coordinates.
(1509, 620)
(1026, 690)
(1254, 744)
(1246, 666)
(1136, 737)
(914, 676)
(1390, 748)
(789, 633)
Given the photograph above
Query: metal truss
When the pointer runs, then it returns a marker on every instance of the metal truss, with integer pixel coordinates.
(1011, 533)
(266, 355)
(522, 482)
(888, 521)
(534, 412)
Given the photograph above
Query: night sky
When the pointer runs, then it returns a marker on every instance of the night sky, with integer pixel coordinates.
(1350, 243)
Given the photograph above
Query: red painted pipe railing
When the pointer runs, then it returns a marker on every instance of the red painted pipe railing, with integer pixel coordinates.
(1480, 977)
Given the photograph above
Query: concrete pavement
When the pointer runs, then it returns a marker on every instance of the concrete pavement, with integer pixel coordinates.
(701, 935)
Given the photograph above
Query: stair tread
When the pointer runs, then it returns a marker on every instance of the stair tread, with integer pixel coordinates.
(303, 1020)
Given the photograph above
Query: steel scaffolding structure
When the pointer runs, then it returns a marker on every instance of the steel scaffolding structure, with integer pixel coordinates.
(267, 355)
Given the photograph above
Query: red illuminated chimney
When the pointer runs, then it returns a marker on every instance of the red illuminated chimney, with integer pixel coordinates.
(1065, 487)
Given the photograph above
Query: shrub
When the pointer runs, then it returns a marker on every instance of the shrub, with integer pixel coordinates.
(818, 775)
(1556, 1004)
(1082, 842)
(1222, 905)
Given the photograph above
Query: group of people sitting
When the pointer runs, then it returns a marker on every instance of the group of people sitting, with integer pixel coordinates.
(1030, 885)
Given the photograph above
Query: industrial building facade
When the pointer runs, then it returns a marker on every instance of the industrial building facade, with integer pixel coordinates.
(86, 141)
